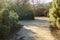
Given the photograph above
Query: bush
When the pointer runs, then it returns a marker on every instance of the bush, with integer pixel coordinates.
(8, 21)
(23, 11)
(24, 14)
(27, 15)
(54, 14)
(41, 12)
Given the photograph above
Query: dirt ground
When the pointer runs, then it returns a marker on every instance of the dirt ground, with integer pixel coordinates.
(37, 29)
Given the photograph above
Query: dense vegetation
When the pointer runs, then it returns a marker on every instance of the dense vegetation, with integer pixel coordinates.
(23, 9)
(54, 14)
(41, 11)
(8, 20)
(12, 12)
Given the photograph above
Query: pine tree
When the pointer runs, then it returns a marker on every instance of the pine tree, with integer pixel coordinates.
(54, 14)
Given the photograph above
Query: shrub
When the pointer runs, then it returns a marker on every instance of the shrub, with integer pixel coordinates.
(23, 11)
(41, 12)
(8, 21)
(54, 14)
(27, 15)
(24, 14)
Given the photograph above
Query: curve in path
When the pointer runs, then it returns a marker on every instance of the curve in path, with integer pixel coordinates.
(37, 29)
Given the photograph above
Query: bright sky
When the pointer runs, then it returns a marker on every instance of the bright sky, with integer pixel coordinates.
(35, 1)
(41, 1)
(48, 1)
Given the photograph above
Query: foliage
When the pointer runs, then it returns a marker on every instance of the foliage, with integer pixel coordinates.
(23, 10)
(41, 11)
(8, 19)
(54, 14)
(27, 15)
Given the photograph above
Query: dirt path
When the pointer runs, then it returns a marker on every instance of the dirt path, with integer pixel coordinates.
(34, 30)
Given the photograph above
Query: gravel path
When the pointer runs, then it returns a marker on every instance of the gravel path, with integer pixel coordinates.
(37, 29)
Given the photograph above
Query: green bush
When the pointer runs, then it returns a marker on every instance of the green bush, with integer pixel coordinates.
(23, 11)
(24, 14)
(54, 14)
(27, 15)
(8, 21)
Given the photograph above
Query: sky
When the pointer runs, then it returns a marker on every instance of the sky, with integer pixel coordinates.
(41, 1)
(48, 1)
(35, 1)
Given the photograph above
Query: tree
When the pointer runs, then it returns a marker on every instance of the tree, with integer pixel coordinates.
(54, 14)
